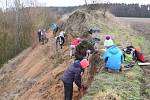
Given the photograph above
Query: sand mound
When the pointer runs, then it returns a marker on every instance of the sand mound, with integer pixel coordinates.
(82, 20)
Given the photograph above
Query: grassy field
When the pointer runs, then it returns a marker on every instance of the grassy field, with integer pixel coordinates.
(140, 25)
(116, 86)
(130, 85)
(142, 28)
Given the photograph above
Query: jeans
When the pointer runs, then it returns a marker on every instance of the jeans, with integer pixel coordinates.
(68, 90)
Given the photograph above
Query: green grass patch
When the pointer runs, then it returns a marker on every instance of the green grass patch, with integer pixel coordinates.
(124, 85)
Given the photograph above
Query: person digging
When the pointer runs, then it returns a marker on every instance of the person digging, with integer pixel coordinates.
(74, 74)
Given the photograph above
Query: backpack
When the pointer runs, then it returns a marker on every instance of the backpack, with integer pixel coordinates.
(140, 56)
(129, 54)
(128, 57)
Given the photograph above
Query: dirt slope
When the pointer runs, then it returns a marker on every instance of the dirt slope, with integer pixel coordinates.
(36, 77)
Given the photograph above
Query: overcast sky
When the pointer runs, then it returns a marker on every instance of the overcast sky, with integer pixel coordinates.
(70, 2)
(80, 2)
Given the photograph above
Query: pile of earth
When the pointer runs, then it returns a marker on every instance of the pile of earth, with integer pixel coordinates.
(81, 21)
(36, 75)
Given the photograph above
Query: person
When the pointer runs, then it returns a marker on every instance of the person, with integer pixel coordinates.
(82, 49)
(54, 28)
(60, 39)
(39, 34)
(113, 56)
(129, 57)
(73, 74)
(96, 37)
(108, 41)
(139, 55)
(45, 36)
(129, 54)
(73, 45)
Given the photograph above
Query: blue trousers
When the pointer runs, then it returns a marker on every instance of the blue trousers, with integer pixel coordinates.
(68, 90)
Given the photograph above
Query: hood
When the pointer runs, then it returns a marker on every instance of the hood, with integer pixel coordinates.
(77, 63)
(113, 50)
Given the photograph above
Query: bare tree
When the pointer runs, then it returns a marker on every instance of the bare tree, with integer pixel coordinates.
(104, 5)
(17, 9)
(85, 2)
(6, 4)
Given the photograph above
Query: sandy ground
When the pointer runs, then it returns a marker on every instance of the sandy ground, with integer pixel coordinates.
(36, 75)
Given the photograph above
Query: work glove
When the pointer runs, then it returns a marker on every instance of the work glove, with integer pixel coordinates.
(82, 88)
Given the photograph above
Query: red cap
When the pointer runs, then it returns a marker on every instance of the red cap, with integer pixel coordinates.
(84, 63)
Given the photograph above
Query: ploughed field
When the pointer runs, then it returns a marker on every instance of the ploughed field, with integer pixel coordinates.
(141, 25)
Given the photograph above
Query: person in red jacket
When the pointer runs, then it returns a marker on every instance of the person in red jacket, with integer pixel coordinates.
(73, 44)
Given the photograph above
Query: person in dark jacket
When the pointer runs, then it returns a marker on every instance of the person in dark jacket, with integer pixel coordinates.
(39, 34)
(82, 48)
(55, 28)
(73, 74)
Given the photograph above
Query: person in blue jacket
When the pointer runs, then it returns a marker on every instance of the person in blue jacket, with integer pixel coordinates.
(54, 28)
(113, 56)
(73, 74)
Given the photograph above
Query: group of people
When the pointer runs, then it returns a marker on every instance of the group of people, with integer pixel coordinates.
(42, 35)
(113, 57)
(80, 48)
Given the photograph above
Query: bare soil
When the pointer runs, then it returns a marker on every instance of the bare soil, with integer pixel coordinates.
(35, 74)
(140, 25)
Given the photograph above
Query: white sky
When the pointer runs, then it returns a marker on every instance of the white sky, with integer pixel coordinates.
(80, 2)
(70, 2)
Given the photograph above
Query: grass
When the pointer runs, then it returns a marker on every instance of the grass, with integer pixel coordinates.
(124, 85)
(121, 86)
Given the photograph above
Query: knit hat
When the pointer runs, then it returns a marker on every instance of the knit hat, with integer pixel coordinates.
(108, 43)
(84, 63)
(107, 37)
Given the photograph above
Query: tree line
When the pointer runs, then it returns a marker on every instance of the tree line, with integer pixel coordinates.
(130, 10)
(18, 27)
(123, 10)
(118, 9)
